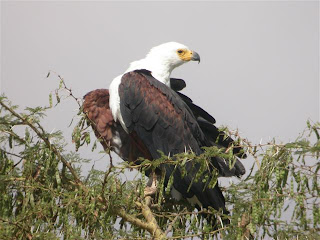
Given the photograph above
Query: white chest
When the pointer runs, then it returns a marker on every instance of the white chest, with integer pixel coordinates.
(114, 101)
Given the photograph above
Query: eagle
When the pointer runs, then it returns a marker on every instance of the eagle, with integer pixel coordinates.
(111, 134)
(143, 114)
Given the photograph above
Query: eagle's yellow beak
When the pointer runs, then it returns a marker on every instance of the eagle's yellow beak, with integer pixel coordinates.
(188, 55)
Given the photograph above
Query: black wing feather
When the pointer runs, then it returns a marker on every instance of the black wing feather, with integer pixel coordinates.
(177, 84)
(197, 111)
(161, 106)
(206, 121)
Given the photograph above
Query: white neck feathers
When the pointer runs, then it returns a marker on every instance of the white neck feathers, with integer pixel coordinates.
(160, 68)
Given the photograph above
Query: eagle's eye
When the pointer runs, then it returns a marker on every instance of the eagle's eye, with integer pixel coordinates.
(180, 51)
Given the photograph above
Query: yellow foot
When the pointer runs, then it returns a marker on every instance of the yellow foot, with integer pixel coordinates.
(149, 191)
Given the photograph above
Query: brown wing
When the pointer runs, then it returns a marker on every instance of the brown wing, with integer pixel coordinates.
(96, 106)
(111, 134)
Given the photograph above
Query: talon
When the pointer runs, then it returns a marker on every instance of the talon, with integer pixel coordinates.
(150, 191)
(151, 187)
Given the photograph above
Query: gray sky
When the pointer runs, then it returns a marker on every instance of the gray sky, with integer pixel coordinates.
(259, 69)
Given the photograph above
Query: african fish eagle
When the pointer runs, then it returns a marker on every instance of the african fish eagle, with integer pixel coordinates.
(157, 118)
(96, 107)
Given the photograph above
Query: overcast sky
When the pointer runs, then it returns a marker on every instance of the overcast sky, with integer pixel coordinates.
(259, 69)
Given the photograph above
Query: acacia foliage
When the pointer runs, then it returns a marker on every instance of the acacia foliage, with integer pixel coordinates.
(44, 193)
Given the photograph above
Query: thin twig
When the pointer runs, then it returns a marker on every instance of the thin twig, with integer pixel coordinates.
(13, 154)
(172, 223)
(106, 175)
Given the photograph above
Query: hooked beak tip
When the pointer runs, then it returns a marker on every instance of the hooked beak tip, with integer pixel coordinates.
(195, 57)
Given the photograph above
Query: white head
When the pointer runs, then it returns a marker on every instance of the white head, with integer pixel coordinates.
(172, 54)
(162, 59)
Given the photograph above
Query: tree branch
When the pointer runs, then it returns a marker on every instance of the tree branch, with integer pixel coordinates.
(151, 225)
(45, 140)
(152, 222)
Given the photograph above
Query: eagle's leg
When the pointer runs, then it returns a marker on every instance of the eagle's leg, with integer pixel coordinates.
(152, 184)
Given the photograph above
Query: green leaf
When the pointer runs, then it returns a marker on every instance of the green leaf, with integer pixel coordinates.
(50, 100)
